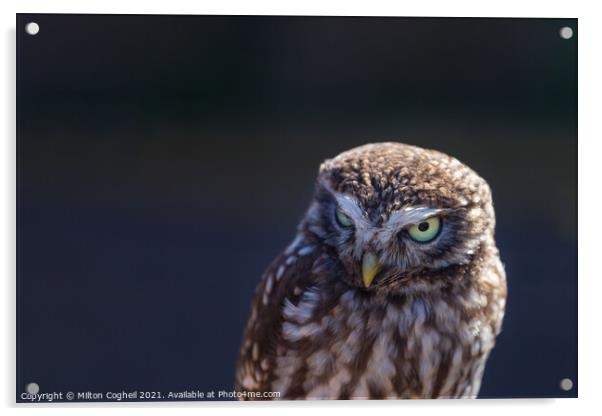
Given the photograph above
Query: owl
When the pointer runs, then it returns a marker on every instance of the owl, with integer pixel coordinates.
(392, 287)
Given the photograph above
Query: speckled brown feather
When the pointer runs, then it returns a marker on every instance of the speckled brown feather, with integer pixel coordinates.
(423, 329)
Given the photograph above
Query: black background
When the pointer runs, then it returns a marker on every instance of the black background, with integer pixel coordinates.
(163, 161)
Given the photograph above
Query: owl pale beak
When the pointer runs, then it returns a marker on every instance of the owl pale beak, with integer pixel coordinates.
(370, 268)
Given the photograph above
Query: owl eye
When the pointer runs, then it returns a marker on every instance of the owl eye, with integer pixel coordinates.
(343, 219)
(425, 231)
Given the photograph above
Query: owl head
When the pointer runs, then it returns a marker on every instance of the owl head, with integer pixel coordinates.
(399, 218)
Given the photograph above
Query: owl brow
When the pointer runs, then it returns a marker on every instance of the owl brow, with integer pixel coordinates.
(348, 204)
(411, 215)
(351, 207)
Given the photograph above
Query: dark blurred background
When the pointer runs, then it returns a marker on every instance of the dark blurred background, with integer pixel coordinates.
(163, 161)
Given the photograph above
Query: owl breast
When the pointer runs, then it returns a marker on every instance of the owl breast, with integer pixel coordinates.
(406, 349)
(333, 341)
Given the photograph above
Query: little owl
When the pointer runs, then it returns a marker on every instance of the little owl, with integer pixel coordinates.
(392, 288)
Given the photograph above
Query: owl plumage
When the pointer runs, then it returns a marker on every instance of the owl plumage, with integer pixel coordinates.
(392, 288)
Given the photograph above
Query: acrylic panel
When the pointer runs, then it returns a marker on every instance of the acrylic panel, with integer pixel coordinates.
(295, 207)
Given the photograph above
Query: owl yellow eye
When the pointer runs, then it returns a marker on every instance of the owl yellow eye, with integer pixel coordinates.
(425, 231)
(343, 219)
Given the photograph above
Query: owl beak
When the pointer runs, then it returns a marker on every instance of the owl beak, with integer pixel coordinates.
(370, 268)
